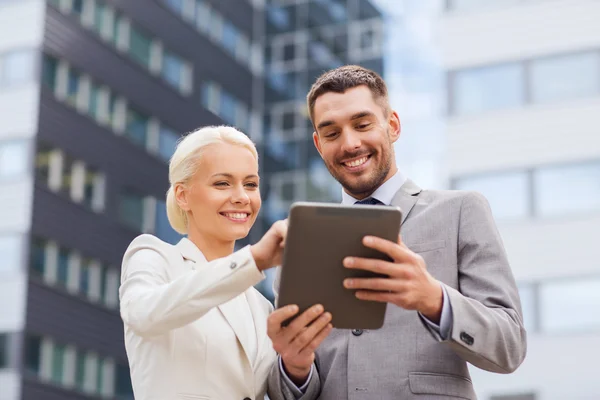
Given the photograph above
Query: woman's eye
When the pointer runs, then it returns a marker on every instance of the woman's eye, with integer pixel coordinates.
(221, 184)
(252, 185)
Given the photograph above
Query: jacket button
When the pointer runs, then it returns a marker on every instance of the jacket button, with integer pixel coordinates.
(468, 339)
(357, 332)
(232, 266)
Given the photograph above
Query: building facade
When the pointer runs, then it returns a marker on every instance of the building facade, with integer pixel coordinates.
(523, 111)
(303, 39)
(93, 97)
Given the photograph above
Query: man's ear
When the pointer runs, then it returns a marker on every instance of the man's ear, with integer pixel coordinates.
(317, 143)
(394, 125)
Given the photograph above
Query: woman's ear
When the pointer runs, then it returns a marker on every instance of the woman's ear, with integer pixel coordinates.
(182, 196)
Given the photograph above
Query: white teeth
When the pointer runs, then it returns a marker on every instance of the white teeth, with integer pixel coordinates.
(358, 162)
(236, 215)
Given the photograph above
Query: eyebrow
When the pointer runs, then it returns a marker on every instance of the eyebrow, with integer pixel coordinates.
(225, 175)
(358, 115)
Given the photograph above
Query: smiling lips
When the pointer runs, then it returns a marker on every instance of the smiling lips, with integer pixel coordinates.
(357, 163)
(236, 216)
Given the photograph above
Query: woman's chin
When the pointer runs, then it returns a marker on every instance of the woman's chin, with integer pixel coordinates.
(238, 233)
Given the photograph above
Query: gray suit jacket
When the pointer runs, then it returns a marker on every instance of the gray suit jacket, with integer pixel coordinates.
(406, 359)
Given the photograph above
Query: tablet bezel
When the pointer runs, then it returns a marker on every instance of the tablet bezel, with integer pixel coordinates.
(312, 231)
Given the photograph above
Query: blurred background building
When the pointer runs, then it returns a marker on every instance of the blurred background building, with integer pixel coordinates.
(302, 40)
(523, 116)
(93, 97)
(498, 96)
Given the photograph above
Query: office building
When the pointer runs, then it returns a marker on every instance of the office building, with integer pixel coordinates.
(303, 39)
(523, 117)
(93, 96)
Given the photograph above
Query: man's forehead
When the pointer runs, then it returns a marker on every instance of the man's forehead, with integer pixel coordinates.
(344, 105)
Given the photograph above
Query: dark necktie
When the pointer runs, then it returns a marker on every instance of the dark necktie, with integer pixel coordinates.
(369, 201)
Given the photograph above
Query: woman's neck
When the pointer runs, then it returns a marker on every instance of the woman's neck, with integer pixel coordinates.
(211, 247)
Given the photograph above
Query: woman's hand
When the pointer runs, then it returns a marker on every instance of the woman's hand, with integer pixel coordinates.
(268, 251)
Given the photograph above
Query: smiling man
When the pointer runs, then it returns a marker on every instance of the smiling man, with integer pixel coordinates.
(452, 297)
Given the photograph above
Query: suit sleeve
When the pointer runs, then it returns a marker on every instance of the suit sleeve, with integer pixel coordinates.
(487, 328)
(281, 388)
(152, 304)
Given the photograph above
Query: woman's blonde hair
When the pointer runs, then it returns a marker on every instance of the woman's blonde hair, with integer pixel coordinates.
(185, 162)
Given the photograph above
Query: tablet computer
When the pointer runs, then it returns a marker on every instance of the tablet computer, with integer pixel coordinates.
(319, 237)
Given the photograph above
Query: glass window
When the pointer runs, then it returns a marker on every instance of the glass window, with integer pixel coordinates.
(567, 188)
(465, 5)
(37, 257)
(131, 210)
(80, 371)
(488, 88)
(43, 160)
(103, 284)
(242, 117)
(163, 227)
(123, 388)
(230, 36)
(176, 6)
(18, 67)
(99, 17)
(528, 295)
(216, 26)
(84, 276)
(242, 51)
(67, 176)
(507, 193)
(140, 46)
(136, 128)
(112, 109)
(50, 67)
(91, 188)
(100, 377)
(3, 350)
(172, 69)
(227, 109)
(167, 142)
(94, 101)
(11, 250)
(565, 77)
(278, 16)
(73, 82)
(14, 158)
(203, 16)
(520, 396)
(62, 271)
(77, 6)
(58, 363)
(33, 347)
(570, 306)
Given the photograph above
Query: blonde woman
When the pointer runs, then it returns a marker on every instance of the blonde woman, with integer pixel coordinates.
(195, 328)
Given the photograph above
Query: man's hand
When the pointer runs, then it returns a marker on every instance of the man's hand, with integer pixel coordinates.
(408, 285)
(297, 342)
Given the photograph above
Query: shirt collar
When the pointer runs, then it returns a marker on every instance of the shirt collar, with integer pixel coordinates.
(384, 193)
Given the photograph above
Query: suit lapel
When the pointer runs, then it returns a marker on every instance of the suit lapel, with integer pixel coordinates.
(230, 309)
(406, 197)
(259, 318)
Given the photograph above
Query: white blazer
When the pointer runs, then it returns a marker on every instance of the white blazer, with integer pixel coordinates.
(194, 329)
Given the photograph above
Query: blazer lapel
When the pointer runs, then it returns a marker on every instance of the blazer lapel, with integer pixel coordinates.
(406, 197)
(230, 309)
(260, 319)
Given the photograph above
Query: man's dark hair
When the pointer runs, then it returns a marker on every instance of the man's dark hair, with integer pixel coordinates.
(340, 79)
